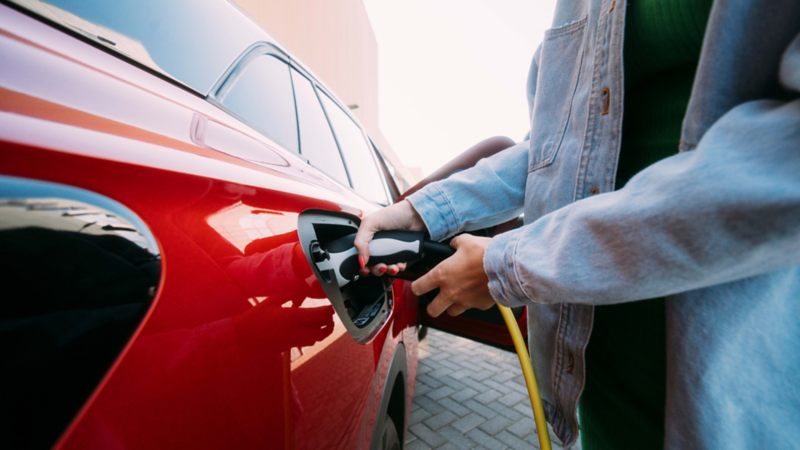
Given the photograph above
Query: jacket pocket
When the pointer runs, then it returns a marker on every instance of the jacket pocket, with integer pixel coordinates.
(559, 67)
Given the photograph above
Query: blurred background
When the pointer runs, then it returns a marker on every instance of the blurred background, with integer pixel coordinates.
(427, 78)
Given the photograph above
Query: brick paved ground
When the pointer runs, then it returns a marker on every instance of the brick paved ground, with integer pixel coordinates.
(468, 395)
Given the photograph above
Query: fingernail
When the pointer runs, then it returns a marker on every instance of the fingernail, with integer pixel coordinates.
(382, 270)
(393, 271)
(364, 272)
(361, 261)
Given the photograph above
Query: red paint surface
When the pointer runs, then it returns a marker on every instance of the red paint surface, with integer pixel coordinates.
(241, 348)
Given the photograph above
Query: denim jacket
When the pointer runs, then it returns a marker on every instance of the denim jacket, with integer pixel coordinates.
(714, 228)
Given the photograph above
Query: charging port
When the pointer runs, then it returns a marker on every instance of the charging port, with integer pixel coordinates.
(364, 304)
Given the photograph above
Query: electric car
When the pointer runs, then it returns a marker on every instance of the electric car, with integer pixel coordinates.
(166, 172)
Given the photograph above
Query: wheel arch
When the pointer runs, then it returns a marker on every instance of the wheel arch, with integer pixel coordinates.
(393, 398)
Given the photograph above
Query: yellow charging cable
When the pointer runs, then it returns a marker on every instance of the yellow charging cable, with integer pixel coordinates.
(530, 379)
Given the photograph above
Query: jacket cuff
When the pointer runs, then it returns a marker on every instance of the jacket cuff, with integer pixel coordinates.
(436, 211)
(499, 264)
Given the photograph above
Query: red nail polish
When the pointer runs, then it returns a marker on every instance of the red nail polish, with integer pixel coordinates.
(382, 270)
(361, 261)
(393, 271)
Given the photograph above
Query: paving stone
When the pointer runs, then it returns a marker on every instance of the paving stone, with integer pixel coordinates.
(424, 433)
(454, 406)
(524, 409)
(510, 440)
(505, 411)
(516, 386)
(431, 362)
(442, 392)
(456, 437)
(495, 424)
(475, 384)
(504, 376)
(431, 405)
(488, 396)
(430, 381)
(418, 415)
(469, 422)
(483, 374)
(485, 440)
(469, 396)
(439, 420)
(461, 356)
(417, 445)
(511, 399)
(499, 387)
(421, 389)
(523, 427)
(480, 409)
(464, 395)
(438, 373)
(461, 373)
(422, 370)
(449, 446)
(448, 380)
(450, 365)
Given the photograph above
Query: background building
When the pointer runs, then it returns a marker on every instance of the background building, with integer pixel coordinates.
(336, 41)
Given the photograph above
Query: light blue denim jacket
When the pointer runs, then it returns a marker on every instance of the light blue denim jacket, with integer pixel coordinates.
(716, 227)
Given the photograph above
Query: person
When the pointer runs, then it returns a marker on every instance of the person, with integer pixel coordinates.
(660, 186)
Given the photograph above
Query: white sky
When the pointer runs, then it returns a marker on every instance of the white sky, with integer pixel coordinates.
(452, 72)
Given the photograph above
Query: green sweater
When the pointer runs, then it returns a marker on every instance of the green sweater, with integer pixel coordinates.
(623, 403)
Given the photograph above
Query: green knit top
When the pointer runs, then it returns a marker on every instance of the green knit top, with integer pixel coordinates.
(623, 403)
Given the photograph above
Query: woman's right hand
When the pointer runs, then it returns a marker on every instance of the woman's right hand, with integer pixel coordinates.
(400, 216)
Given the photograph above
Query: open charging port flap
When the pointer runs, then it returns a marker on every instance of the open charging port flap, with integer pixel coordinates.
(364, 304)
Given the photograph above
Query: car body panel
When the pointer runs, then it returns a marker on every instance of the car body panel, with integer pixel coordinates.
(238, 349)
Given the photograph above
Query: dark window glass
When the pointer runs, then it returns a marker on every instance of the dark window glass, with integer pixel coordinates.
(358, 157)
(317, 144)
(193, 41)
(262, 96)
(389, 174)
(79, 272)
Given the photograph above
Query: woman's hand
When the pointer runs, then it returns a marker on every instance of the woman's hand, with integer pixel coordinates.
(461, 280)
(400, 216)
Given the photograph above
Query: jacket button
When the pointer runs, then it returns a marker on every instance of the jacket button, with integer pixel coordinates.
(594, 190)
(570, 363)
(606, 97)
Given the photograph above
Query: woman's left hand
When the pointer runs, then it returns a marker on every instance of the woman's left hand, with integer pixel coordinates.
(461, 280)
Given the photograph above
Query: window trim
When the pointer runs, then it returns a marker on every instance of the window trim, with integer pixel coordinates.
(367, 141)
(232, 74)
(394, 191)
(327, 120)
(263, 48)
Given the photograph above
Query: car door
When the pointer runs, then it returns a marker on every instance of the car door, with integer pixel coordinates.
(231, 342)
(329, 385)
(483, 326)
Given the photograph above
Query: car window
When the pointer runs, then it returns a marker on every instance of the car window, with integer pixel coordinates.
(388, 172)
(317, 144)
(358, 157)
(80, 272)
(172, 37)
(262, 96)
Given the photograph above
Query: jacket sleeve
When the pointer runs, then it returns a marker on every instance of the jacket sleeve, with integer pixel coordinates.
(728, 210)
(490, 193)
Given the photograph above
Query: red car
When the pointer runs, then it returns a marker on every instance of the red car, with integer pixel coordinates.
(165, 170)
